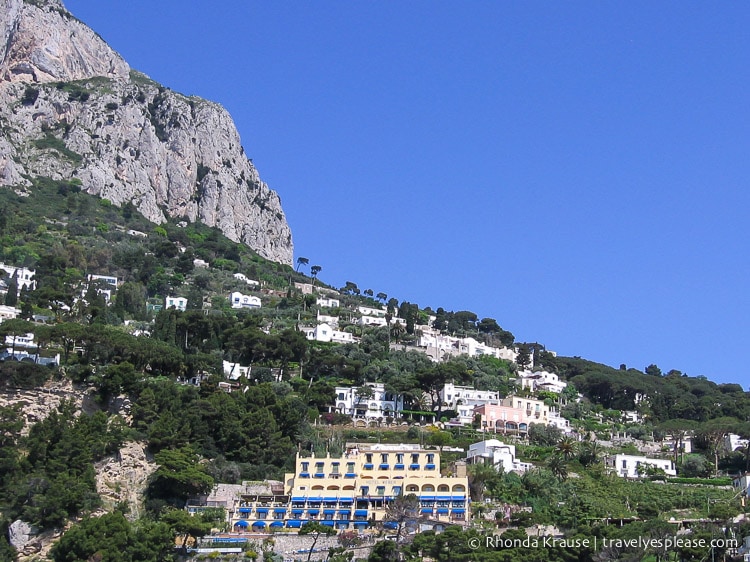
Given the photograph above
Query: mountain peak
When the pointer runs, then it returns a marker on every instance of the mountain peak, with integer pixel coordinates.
(41, 42)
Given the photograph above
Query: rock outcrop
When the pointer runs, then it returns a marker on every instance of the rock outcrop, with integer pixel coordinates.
(71, 109)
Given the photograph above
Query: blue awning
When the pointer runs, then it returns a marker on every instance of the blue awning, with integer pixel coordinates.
(369, 466)
(427, 498)
(427, 510)
(297, 511)
(350, 475)
(442, 510)
(429, 466)
(259, 523)
(361, 523)
(245, 510)
(347, 511)
(298, 499)
(329, 511)
(328, 523)
(443, 498)
(459, 510)
(330, 500)
(261, 509)
(414, 466)
(399, 466)
(360, 513)
(313, 511)
(277, 524)
(279, 510)
(384, 466)
(314, 500)
(242, 524)
(459, 498)
(390, 525)
(304, 475)
(319, 475)
(346, 500)
(294, 524)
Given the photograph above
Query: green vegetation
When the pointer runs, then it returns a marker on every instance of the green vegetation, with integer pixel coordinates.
(200, 435)
(51, 142)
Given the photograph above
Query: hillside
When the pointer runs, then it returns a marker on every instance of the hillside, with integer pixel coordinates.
(139, 370)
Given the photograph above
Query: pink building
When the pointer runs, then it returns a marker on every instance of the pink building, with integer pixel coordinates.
(512, 414)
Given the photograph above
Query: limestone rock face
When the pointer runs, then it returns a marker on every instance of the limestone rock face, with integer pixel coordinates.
(41, 42)
(20, 534)
(70, 108)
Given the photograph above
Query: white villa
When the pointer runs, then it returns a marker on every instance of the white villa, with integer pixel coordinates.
(233, 371)
(24, 277)
(178, 303)
(238, 300)
(107, 284)
(25, 341)
(367, 311)
(372, 321)
(541, 380)
(632, 466)
(453, 395)
(325, 319)
(324, 332)
(8, 312)
(243, 277)
(498, 454)
(328, 302)
(380, 404)
(437, 346)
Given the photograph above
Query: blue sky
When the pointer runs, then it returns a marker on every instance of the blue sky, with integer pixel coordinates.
(577, 171)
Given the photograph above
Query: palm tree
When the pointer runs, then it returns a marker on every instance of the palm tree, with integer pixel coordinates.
(558, 466)
(302, 261)
(566, 448)
(479, 475)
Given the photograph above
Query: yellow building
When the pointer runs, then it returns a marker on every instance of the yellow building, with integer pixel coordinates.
(353, 490)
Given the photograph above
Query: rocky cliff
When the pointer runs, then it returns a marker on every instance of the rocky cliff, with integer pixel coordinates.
(71, 108)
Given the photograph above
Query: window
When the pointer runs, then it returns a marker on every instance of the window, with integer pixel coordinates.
(365, 490)
(335, 468)
(305, 466)
(350, 468)
(381, 490)
(318, 467)
(415, 458)
(400, 458)
(368, 457)
(624, 464)
(430, 458)
(341, 395)
(384, 457)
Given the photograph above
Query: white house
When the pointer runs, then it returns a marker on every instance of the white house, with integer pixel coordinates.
(324, 332)
(25, 341)
(732, 442)
(498, 454)
(380, 404)
(243, 277)
(453, 395)
(541, 380)
(633, 466)
(559, 422)
(137, 233)
(8, 312)
(437, 346)
(233, 371)
(372, 321)
(305, 288)
(325, 319)
(367, 311)
(105, 285)
(238, 300)
(328, 302)
(179, 303)
(24, 277)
